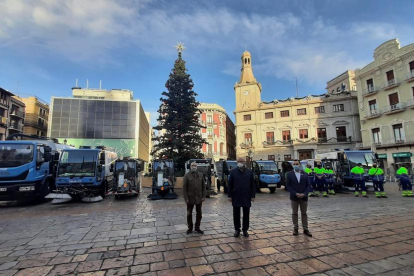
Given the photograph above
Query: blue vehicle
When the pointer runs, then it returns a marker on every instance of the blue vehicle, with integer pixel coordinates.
(27, 167)
(343, 161)
(223, 168)
(84, 173)
(266, 175)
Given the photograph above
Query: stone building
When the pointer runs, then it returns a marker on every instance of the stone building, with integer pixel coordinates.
(5, 103)
(386, 103)
(17, 115)
(36, 118)
(294, 127)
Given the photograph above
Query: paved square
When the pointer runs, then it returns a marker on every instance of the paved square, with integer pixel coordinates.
(352, 236)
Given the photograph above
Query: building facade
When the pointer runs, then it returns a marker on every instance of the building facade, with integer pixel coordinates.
(116, 122)
(295, 127)
(386, 103)
(36, 118)
(17, 114)
(5, 103)
(219, 132)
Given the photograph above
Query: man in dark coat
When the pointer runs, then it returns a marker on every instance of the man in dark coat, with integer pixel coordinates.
(297, 183)
(241, 192)
(194, 192)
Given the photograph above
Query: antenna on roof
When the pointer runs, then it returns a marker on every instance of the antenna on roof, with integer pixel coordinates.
(100, 84)
(297, 90)
(87, 83)
(76, 85)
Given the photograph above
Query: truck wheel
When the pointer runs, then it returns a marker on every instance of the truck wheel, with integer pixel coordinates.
(45, 191)
(272, 190)
(279, 186)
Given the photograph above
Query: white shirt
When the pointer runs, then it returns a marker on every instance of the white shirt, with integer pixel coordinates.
(298, 176)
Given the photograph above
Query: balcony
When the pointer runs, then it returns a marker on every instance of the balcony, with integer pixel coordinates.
(17, 113)
(246, 145)
(410, 104)
(4, 104)
(387, 143)
(339, 139)
(3, 121)
(394, 108)
(371, 90)
(391, 84)
(373, 113)
(285, 143)
(410, 76)
(18, 127)
(44, 116)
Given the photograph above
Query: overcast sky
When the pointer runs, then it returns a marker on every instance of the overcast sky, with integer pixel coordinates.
(45, 45)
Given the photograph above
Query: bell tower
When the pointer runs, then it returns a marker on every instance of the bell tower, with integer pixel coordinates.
(247, 90)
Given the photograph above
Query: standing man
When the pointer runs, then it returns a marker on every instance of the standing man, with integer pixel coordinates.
(330, 180)
(377, 175)
(313, 190)
(407, 187)
(194, 192)
(357, 173)
(320, 179)
(241, 192)
(297, 183)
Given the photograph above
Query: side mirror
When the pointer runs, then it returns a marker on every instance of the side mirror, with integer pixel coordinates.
(102, 156)
(56, 156)
(47, 156)
(47, 149)
(188, 166)
(111, 168)
(212, 166)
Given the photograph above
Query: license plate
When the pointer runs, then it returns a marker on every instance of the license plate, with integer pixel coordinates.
(25, 188)
(3, 189)
(271, 185)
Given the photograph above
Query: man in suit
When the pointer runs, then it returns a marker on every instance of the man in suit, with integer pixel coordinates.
(241, 192)
(297, 183)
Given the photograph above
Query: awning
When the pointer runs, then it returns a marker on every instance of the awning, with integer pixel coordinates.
(382, 156)
(402, 154)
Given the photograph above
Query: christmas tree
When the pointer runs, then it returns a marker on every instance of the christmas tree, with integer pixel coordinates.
(178, 118)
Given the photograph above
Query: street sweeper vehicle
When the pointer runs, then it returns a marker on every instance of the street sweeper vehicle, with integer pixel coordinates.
(27, 167)
(83, 173)
(163, 179)
(205, 166)
(127, 177)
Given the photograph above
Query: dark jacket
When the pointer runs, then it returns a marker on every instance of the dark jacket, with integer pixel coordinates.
(295, 187)
(241, 187)
(194, 187)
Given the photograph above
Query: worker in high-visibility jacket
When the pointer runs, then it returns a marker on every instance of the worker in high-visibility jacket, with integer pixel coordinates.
(320, 179)
(330, 180)
(357, 174)
(407, 187)
(377, 176)
(311, 177)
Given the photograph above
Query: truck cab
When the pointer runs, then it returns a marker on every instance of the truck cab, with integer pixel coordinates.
(266, 175)
(223, 168)
(206, 167)
(26, 169)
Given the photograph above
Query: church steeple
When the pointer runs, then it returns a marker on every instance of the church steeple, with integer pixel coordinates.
(246, 70)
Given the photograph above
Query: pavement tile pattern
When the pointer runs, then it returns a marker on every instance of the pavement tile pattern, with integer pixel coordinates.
(352, 236)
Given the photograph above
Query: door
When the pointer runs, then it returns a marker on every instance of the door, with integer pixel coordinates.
(305, 154)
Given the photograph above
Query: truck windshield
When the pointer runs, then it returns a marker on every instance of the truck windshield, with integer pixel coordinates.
(166, 167)
(365, 158)
(14, 155)
(267, 167)
(78, 163)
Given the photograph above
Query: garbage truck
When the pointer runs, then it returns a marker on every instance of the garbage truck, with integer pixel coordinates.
(28, 167)
(84, 173)
(205, 166)
(163, 179)
(127, 181)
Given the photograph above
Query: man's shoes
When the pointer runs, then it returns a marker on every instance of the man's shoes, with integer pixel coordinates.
(295, 232)
(384, 196)
(365, 196)
(189, 231)
(236, 234)
(199, 231)
(245, 233)
(307, 233)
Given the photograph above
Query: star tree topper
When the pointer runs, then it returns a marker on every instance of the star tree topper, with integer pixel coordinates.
(180, 47)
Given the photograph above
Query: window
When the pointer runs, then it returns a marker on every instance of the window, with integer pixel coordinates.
(338, 107)
(247, 117)
(373, 105)
(247, 137)
(287, 157)
(268, 115)
(209, 119)
(284, 113)
(301, 111)
(394, 101)
(370, 85)
(411, 66)
(221, 148)
(398, 133)
(270, 137)
(286, 135)
(341, 134)
(210, 132)
(303, 133)
(319, 109)
(376, 134)
(210, 148)
(271, 157)
(321, 132)
(390, 75)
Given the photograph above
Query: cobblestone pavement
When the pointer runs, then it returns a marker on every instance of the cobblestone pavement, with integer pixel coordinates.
(352, 236)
